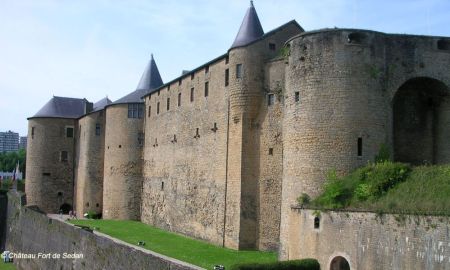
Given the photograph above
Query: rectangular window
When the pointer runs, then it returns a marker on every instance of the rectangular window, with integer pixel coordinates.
(179, 99)
(206, 89)
(157, 108)
(97, 129)
(227, 59)
(192, 76)
(32, 132)
(272, 46)
(149, 111)
(168, 103)
(179, 82)
(270, 99)
(206, 69)
(297, 96)
(192, 94)
(135, 110)
(168, 87)
(271, 151)
(69, 132)
(64, 156)
(239, 71)
(360, 145)
(158, 92)
(227, 77)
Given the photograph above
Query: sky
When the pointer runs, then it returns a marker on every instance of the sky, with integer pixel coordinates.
(97, 48)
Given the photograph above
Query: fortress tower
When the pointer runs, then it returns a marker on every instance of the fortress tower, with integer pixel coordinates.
(90, 151)
(124, 141)
(50, 153)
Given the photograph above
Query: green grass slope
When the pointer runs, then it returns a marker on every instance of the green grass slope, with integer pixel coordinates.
(176, 246)
(390, 188)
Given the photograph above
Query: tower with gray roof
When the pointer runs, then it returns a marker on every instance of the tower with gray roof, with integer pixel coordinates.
(124, 141)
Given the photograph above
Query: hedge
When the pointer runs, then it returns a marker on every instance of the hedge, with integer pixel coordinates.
(305, 264)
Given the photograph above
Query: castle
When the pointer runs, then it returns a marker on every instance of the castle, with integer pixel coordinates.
(222, 152)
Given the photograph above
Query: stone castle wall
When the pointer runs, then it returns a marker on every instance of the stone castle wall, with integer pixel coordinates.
(185, 173)
(122, 165)
(49, 178)
(369, 240)
(346, 81)
(89, 168)
(31, 232)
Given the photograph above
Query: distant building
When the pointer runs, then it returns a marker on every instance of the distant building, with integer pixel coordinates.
(23, 142)
(9, 141)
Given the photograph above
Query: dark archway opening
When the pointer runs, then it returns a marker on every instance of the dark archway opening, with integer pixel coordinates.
(421, 109)
(65, 208)
(339, 263)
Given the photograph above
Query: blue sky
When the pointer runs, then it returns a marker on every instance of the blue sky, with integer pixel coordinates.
(93, 48)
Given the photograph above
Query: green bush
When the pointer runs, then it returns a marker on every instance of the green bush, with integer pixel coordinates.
(92, 215)
(305, 264)
(384, 154)
(303, 199)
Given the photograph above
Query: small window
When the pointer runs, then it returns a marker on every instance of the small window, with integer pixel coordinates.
(179, 82)
(97, 205)
(271, 151)
(97, 129)
(32, 132)
(141, 138)
(192, 75)
(297, 96)
(443, 44)
(87, 204)
(79, 131)
(227, 59)
(158, 92)
(206, 89)
(239, 71)
(179, 99)
(168, 103)
(227, 77)
(192, 94)
(64, 156)
(46, 174)
(140, 110)
(272, 46)
(157, 108)
(360, 145)
(168, 87)
(206, 69)
(316, 223)
(270, 99)
(59, 194)
(162, 185)
(69, 132)
(149, 111)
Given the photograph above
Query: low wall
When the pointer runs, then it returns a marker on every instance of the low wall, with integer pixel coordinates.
(369, 240)
(32, 232)
(3, 207)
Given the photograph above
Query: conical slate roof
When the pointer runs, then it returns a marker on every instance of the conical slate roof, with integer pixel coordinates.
(100, 105)
(63, 107)
(250, 29)
(150, 80)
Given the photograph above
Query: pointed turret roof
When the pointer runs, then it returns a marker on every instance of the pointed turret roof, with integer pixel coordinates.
(100, 105)
(250, 29)
(150, 80)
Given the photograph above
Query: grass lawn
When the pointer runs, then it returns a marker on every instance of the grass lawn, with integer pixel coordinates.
(176, 246)
(7, 266)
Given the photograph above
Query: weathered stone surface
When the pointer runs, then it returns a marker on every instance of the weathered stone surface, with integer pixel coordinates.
(370, 241)
(31, 232)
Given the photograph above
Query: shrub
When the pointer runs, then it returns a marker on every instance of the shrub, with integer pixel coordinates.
(384, 154)
(305, 264)
(92, 215)
(303, 199)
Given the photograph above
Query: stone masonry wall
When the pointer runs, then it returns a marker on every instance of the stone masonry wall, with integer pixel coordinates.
(31, 232)
(346, 81)
(185, 173)
(370, 241)
(89, 168)
(122, 165)
(49, 178)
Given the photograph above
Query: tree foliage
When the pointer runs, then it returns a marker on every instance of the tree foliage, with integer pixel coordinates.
(9, 160)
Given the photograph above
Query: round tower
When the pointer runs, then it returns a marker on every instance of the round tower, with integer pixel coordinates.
(89, 168)
(124, 141)
(50, 154)
(335, 110)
